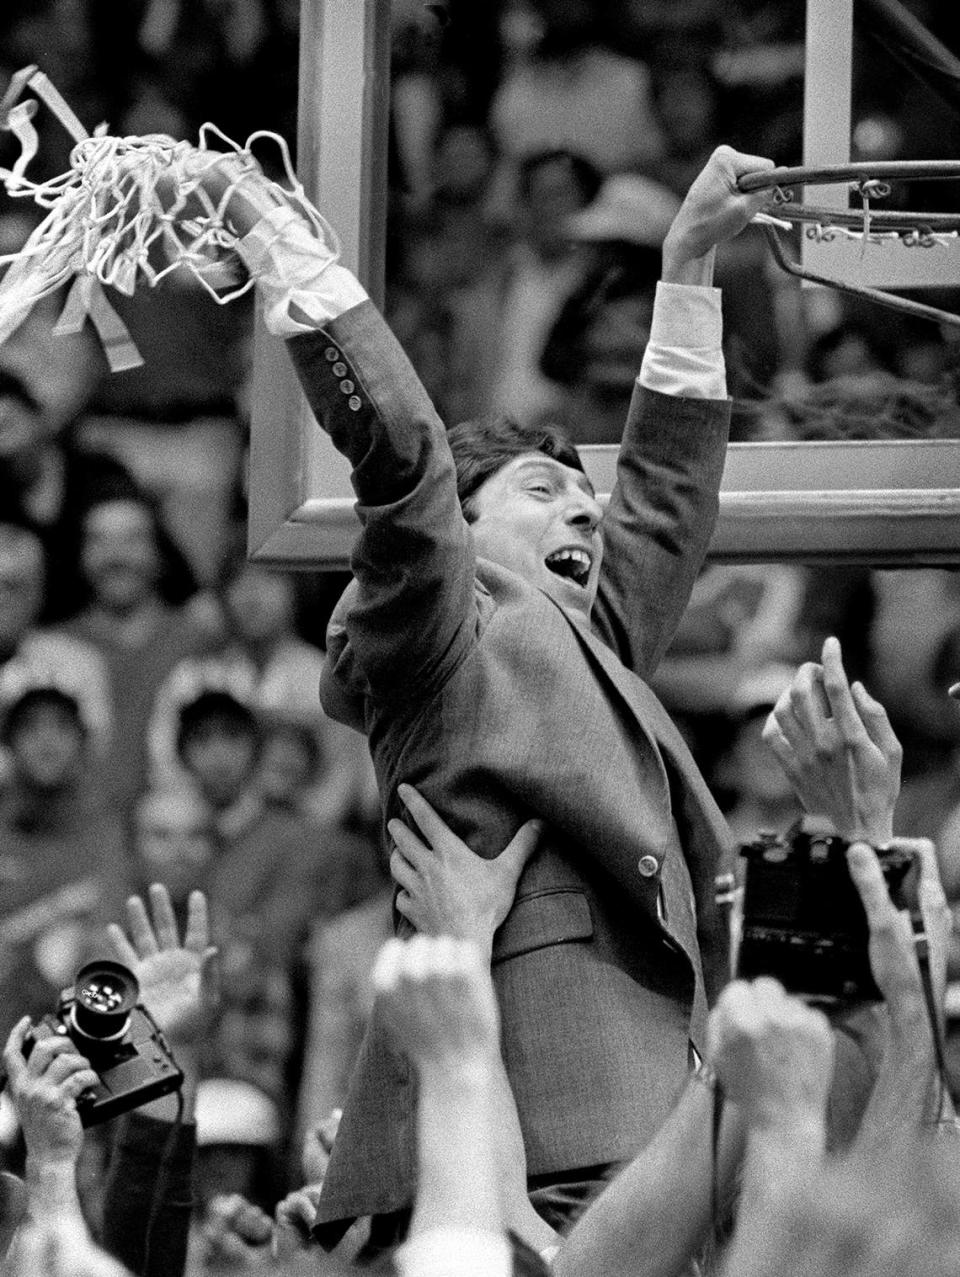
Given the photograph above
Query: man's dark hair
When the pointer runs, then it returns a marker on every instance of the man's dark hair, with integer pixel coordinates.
(221, 708)
(19, 711)
(481, 448)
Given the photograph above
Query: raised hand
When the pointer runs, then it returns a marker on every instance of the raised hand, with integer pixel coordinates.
(236, 1234)
(445, 888)
(176, 979)
(772, 1054)
(837, 747)
(715, 210)
(44, 1091)
(435, 995)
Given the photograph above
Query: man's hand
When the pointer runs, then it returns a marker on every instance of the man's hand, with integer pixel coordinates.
(773, 1055)
(44, 1091)
(714, 210)
(236, 1234)
(293, 1219)
(837, 747)
(892, 954)
(445, 888)
(176, 980)
(436, 998)
(62, 1250)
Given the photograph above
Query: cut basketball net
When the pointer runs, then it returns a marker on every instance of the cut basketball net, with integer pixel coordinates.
(869, 225)
(129, 211)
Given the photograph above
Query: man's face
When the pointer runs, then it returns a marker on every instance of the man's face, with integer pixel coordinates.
(540, 518)
(119, 555)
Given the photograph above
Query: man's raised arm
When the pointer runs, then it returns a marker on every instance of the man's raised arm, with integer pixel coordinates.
(413, 563)
(664, 506)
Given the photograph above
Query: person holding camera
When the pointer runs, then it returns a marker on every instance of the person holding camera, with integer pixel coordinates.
(149, 1187)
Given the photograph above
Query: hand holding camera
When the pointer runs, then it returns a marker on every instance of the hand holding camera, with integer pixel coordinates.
(44, 1089)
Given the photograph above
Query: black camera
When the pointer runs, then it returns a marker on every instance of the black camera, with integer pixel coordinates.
(803, 919)
(102, 1016)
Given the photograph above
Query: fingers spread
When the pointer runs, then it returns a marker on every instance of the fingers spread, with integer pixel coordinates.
(197, 937)
(165, 924)
(141, 932)
(121, 945)
(839, 697)
(408, 844)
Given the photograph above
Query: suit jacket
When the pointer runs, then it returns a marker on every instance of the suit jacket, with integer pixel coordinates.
(480, 690)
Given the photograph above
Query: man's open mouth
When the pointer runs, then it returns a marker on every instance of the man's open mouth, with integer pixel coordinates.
(572, 564)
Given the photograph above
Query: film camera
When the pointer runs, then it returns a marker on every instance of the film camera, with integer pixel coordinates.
(104, 1019)
(803, 920)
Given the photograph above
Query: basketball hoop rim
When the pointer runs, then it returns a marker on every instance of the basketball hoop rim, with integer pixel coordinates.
(894, 170)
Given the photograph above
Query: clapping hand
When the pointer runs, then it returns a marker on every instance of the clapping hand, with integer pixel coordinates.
(837, 747)
(176, 980)
(445, 888)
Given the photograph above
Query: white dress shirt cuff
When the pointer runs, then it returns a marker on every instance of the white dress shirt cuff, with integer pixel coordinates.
(454, 1252)
(293, 266)
(684, 354)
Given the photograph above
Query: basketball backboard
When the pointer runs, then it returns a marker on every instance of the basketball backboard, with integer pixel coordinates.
(885, 502)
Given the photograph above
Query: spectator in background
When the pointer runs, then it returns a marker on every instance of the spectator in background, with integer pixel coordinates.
(30, 654)
(507, 314)
(62, 861)
(573, 89)
(49, 482)
(135, 619)
(601, 330)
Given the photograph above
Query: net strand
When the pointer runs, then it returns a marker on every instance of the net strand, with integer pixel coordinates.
(124, 205)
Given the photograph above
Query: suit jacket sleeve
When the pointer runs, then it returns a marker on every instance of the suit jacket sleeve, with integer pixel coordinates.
(659, 521)
(414, 561)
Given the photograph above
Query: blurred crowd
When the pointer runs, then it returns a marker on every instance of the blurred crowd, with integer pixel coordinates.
(159, 717)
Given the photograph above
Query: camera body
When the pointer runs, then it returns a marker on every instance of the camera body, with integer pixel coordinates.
(103, 1018)
(803, 919)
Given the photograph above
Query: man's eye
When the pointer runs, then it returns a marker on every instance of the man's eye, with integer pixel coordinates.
(539, 487)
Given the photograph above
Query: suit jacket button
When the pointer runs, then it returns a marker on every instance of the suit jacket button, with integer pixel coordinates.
(347, 386)
(648, 866)
(354, 403)
(339, 369)
(331, 354)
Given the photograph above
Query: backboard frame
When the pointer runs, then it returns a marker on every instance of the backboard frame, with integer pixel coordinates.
(885, 503)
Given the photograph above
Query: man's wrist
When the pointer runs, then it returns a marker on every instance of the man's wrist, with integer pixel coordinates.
(679, 267)
(51, 1181)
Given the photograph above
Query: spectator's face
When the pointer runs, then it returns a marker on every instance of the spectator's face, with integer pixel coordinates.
(48, 748)
(173, 841)
(22, 428)
(221, 757)
(552, 195)
(540, 519)
(119, 557)
(287, 765)
(613, 344)
(21, 585)
(259, 605)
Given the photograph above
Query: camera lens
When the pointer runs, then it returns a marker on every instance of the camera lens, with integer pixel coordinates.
(104, 995)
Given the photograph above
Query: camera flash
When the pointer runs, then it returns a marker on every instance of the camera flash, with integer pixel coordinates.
(954, 691)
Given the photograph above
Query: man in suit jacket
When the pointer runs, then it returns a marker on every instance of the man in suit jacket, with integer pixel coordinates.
(495, 657)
